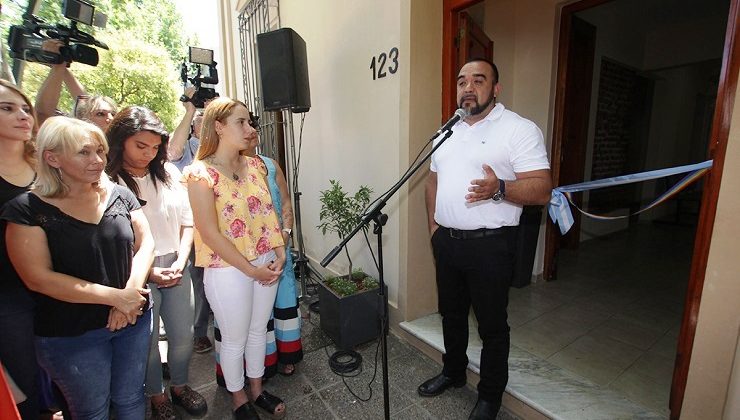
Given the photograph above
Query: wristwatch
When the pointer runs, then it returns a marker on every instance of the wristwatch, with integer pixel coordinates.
(288, 231)
(501, 193)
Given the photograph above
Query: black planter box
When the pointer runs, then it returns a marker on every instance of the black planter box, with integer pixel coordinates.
(350, 320)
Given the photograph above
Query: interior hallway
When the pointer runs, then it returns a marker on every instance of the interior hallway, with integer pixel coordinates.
(600, 341)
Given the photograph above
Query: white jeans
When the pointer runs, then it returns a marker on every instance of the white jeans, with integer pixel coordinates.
(242, 308)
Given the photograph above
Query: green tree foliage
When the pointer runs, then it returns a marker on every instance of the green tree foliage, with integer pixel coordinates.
(141, 68)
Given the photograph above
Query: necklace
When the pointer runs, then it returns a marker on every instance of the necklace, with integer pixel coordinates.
(234, 175)
(146, 172)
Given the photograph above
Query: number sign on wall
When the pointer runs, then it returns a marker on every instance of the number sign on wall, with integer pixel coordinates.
(384, 64)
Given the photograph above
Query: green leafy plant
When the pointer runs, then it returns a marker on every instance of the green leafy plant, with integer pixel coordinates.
(369, 283)
(340, 212)
(341, 285)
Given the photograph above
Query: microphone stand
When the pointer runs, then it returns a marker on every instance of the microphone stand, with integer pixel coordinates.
(380, 219)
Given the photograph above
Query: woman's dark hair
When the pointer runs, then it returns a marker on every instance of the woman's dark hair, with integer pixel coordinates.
(127, 123)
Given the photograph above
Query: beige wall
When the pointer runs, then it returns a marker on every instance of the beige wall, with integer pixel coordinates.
(718, 322)
(524, 34)
(422, 108)
(352, 132)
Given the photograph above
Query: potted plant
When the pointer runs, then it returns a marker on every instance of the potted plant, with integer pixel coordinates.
(349, 303)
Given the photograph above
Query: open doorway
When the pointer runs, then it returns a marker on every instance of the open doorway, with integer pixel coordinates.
(643, 98)
(651, 94)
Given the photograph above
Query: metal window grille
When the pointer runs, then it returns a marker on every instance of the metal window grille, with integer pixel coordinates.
(257, 17)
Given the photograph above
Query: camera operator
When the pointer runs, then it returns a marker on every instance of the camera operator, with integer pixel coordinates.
(181, 151)
(185, 139)
(96, 109)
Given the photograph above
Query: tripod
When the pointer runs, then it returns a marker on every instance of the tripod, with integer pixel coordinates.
(301, 261)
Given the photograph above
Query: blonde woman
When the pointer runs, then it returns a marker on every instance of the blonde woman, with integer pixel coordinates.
(239, 242)
(97, 109)
(83, 244)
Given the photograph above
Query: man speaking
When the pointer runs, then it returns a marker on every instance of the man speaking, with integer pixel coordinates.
(494, 162)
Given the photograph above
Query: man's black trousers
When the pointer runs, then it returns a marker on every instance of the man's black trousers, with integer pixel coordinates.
(475, 271)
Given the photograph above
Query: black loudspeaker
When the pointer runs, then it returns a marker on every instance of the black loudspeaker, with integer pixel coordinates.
(283, 70)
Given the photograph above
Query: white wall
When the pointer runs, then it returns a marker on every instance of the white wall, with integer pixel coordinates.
(351, 133)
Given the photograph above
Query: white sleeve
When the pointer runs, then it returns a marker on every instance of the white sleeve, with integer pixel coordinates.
(528, 151)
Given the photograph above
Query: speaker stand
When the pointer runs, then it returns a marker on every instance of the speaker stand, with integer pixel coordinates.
(301, 261)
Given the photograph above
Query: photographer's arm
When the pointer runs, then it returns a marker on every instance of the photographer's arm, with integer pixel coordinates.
(74, 86)
(48, 95)
(182, 133)
(47, 98)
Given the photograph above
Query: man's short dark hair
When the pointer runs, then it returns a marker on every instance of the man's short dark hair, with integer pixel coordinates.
(490, 63)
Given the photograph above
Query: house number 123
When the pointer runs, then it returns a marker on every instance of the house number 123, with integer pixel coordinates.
(378, 64)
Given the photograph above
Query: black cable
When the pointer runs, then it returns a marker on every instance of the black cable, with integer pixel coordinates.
(343, 362)
(351, 363)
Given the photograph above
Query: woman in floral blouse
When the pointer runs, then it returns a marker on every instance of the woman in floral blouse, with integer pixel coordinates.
(238, 240)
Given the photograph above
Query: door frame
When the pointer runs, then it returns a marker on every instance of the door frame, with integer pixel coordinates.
(720, 132)
(717, 149)
(450, 27)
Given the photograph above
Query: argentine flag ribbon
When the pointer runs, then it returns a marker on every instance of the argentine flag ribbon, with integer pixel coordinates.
(559, 208)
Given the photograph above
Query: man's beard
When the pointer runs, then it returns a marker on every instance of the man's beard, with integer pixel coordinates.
(478, 108)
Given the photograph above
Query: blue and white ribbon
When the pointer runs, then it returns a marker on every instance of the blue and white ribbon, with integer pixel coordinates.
(559, 208)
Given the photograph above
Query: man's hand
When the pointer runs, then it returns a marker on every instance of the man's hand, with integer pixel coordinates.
(483, 189)
(53, 46)
(189, 92)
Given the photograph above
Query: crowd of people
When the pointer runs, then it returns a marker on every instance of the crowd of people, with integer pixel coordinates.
(111, 225)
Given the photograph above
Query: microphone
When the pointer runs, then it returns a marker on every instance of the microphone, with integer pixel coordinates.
(459, 115)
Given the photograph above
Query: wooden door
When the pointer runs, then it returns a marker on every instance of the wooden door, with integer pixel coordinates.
(471, 42)
(452, 32)
(576, 121)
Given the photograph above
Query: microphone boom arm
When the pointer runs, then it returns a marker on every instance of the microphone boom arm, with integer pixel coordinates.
(375, 212)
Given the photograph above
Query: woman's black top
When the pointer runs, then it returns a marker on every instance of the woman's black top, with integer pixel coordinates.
(10, 283)
(99, 253)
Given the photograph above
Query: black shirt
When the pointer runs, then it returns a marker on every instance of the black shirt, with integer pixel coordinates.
(99, 253)
(9, 280)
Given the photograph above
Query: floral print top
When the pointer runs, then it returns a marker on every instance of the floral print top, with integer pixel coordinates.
(246, 216)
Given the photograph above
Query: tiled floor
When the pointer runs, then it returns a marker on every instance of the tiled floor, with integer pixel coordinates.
(316, 393)
(603, 336)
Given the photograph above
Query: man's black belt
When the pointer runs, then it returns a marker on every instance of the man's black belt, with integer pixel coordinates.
(475, 234)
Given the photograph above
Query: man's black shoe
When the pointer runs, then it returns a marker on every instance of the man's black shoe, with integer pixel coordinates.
(439, 384)
(484, 410)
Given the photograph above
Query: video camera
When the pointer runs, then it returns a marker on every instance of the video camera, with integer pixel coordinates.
(25, 41)
(200, 57)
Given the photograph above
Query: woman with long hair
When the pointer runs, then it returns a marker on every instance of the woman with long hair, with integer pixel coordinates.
(238, 241)
(97, 109)
(17, 130)
(284, 347)
(83, 245)
(138, 159)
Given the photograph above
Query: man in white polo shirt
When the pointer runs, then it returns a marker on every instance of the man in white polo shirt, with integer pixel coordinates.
(494, 162)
